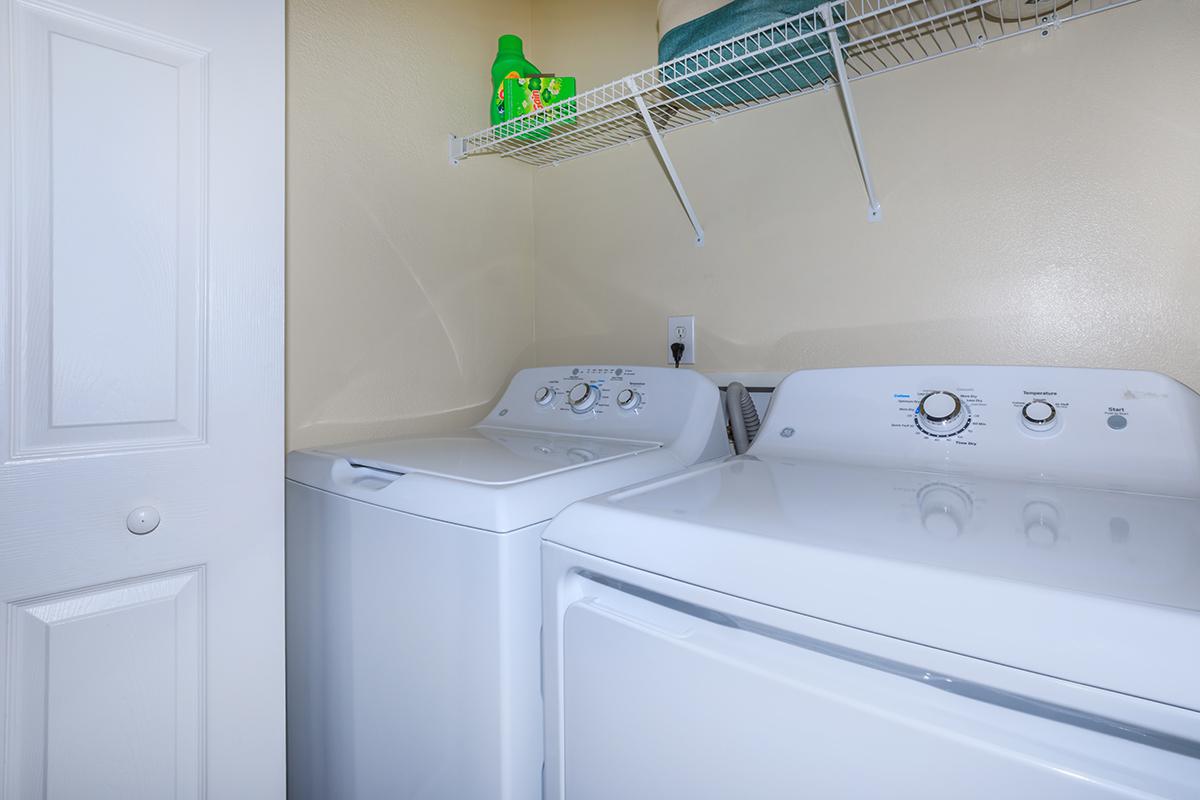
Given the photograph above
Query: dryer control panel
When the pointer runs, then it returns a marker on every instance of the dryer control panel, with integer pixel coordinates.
(1122, 429)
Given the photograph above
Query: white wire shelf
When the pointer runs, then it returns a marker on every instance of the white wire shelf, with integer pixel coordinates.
(833, 45)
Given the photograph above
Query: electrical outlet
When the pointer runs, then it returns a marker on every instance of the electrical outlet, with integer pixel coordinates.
(682, 329)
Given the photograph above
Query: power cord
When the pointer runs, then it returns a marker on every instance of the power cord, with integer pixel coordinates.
(677, 352)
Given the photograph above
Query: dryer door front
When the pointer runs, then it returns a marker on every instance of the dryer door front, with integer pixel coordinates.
(660, 696)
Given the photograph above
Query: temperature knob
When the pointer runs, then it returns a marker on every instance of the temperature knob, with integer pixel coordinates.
(1039, 415)
(628, 400)
(942, 414)
(582, 397)
(543, 396)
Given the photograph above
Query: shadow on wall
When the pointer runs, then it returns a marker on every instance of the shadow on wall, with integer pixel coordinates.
(421, 336)
(353, 430)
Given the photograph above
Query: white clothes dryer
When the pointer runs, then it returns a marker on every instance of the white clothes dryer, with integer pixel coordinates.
(413, 590)
(920, 582)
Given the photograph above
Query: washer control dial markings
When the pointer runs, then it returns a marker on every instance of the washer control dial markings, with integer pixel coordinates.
(582, 397)
(543, 395)
(628, 399)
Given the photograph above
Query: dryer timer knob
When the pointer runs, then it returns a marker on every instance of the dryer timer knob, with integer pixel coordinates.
(941, 413)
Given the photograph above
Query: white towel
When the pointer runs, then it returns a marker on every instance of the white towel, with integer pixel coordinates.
(673, 13)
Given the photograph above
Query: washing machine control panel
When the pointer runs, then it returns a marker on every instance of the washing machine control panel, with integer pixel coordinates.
(632, 402)
(595, 390)
(1095, 427)
(600, 390)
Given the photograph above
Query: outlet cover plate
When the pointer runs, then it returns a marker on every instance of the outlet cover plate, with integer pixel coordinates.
(682, 329)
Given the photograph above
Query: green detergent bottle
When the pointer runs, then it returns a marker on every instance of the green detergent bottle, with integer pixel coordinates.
(510, 63)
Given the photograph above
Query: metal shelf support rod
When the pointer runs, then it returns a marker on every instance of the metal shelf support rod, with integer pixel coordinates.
(874, 211)
(666, 159)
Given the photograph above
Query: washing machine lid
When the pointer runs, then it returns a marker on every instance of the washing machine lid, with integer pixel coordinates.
(489, 456)
(1097, 587)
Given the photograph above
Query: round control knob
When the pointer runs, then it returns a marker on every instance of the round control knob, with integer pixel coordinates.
(941, 413)
(582, 397)
(628, 400)
(944, 510)
(543, 396)
(1039, 415)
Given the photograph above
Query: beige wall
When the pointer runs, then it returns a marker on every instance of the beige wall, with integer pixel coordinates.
(1041, 203)
(1041, 199)
(410, 294)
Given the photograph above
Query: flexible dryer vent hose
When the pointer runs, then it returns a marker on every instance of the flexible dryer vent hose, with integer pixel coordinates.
(743, 416)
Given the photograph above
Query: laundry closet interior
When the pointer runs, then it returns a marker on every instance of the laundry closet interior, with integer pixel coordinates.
(523, 399)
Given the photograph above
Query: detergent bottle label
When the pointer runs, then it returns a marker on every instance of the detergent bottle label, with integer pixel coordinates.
(500, 93)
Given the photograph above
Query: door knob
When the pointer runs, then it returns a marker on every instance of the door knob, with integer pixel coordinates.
(142, 520)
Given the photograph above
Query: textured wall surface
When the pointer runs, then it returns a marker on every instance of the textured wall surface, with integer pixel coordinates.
(410, 283)
(1040, 199)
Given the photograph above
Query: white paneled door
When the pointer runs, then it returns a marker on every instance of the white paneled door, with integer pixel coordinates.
(141, 407)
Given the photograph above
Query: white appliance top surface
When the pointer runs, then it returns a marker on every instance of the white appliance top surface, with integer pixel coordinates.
(1084, 582)
(1136, 547)
(556, 435)
(492, 456)
(1094, 586)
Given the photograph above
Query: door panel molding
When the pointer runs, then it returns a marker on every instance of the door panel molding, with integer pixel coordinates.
(110, 268)
(141, 359)
(88, 661)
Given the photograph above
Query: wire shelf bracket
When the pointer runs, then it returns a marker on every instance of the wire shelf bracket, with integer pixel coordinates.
(837, 42)
(668, 165)
(457, 149)
(874, 210)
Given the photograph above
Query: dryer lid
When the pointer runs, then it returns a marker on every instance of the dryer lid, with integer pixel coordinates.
(487, 455)
(1096, 587)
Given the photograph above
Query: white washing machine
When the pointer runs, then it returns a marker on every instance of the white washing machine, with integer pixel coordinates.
(921, 582)
(413, 584)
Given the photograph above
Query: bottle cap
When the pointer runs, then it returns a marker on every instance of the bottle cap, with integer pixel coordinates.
(510, 43)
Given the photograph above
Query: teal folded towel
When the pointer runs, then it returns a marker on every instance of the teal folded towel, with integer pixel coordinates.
(777, 71)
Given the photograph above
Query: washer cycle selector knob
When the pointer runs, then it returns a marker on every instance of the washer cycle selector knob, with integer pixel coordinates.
(1039, 415)
(942, 414)
(582, 397)
(628, 400)
(543, 395)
